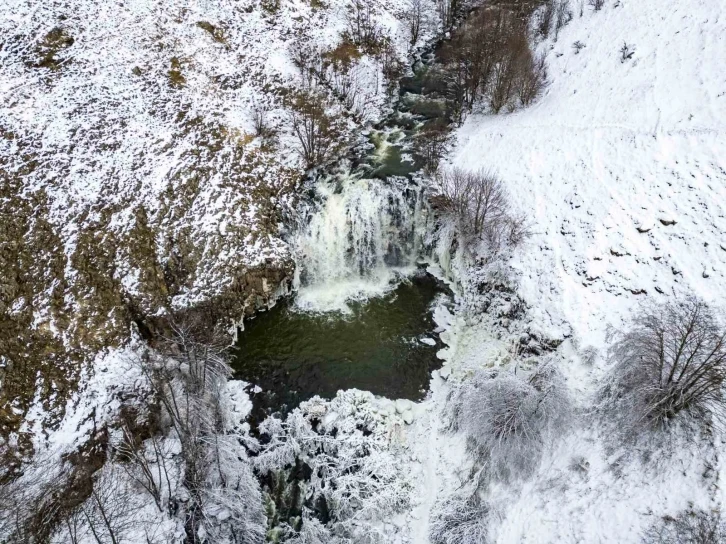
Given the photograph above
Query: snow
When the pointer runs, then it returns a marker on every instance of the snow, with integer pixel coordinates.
(612, 148)
(620, 168)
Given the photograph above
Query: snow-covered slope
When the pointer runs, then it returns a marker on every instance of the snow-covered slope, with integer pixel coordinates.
(620, 165)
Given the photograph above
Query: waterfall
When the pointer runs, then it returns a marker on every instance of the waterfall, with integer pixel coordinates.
(364, 235)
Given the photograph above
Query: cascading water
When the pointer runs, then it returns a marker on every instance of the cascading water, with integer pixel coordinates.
(365, 234)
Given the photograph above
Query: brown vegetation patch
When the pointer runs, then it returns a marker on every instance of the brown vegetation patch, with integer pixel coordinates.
(48, 51)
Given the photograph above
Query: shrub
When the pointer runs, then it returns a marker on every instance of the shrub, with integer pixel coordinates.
(478, 204)
(317, 131)
(263, 128)
(690, 527)
(672, 361)
(430, 144)
(459, 519)
(508, 419)
(626, 52)
(547, 15)
(531, 79)
(597, 5)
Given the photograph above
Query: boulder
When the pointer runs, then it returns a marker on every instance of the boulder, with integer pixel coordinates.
(407, 417)
(403, 405)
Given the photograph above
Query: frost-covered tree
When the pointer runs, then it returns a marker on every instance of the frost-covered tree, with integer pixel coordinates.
(222, 500)
(460, 518)
(672, 361)
(509, 419)
(351, 464)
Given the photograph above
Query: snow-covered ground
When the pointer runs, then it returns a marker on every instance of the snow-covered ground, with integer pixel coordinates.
(620, 167)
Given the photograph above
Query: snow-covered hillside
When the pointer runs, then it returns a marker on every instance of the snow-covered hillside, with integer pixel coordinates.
(136, 180)
(620, 164)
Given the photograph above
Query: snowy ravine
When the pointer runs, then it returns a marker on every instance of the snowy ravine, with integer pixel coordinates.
(620, 168)
(147, 162)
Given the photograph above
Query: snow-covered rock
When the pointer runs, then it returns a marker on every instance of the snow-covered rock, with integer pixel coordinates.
(403, 405)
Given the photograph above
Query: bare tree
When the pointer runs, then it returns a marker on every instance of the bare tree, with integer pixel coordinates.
(479, 205)
(391, 66)
(34, 504)
(430, 144)
(147, 464)
(361, 24)
(672, 361)
(546, 17)
(515, 58)
(414, 16)
(111, 514)
(532, 79)
(316, 130)
(490, 58)
(308, 61)
(447, 10)
(261, 124)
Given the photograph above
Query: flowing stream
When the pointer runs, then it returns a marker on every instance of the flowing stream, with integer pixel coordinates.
(362, 312)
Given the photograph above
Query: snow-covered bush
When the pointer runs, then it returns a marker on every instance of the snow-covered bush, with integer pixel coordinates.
(508, 419)
(347, 445)
(673, 360)
(690, 527)
(459, 519)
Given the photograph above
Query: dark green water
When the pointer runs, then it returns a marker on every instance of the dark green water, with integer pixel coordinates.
(293, 356)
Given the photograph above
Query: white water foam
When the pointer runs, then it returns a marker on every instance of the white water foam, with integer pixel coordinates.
(362, 240)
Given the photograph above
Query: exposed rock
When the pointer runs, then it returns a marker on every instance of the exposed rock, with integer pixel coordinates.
(408, 417)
